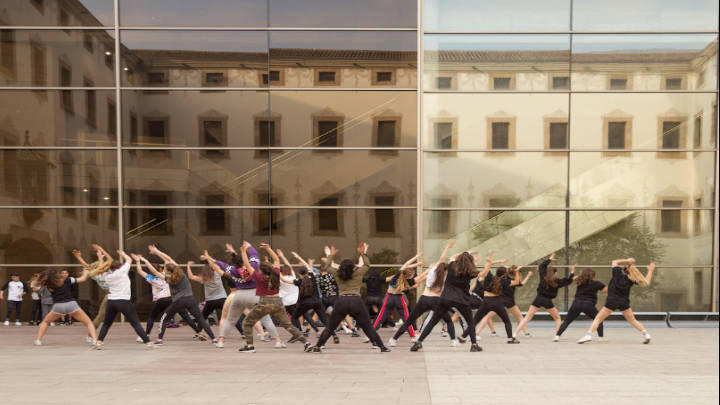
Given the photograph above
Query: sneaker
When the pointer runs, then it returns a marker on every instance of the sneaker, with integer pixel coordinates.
(585, 339)
(18, 323)
(306, 333)
(37, 343)
(453, 343)
(200, 337)
(219, 344)
(315, 349)
(293, 339)
(513, 341)
(336, 339)
(602, 339)
(247, 349)
(374, 346)
(309, 346)
(646, 339)
(280, 345)
(6, 323)
(158, 342)
(265, 337)
(556, 338)
(89, 340)
(416, 347)
(354, 334)
(493, 334)
(443, 333)
(384, 350)
(366, 339)
(392, 342)
(139, 339)
(475, 348)
(414, 339)
(98, 346)
(461, 340)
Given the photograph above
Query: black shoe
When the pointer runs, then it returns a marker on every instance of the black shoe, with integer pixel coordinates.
(306, 333)
(247, 349)
(316, 349)
(416, 347)
(513, 341)
(293, 339)
(336, 339)
(308, 346)
(384, 349)
(475, 348)
(355, 333)
(461, 340)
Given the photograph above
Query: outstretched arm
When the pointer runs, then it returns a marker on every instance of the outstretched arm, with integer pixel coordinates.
(273, 255)
(100, 249)
(409, 264)
(650, 271)
(445, 251)
(167, 259)
(125, 257)
(282, 257)
(79, 258)
(302, 261)
(190, 274)
(246, 261)
(618, 262)
(211, 262)
(527, 277)
(152, 268)
(83, 277)
(138, 265)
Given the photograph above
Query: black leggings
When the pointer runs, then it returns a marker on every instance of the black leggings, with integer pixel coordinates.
(492, 304)
(185, 303)
(304, 306)
(213, 305)
(578, 307)
(126, 308)
(425, 304)
(159, 308)
(354, 306)
(443, 306)
(36, 311)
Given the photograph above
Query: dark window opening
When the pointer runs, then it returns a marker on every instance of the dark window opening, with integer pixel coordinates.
(386, 133)
(616, 135)
(671, 134)
(558, 135)
(327, 136)
(443, 135)
(500, 135)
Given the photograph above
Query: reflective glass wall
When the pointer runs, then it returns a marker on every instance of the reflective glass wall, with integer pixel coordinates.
(582, 128)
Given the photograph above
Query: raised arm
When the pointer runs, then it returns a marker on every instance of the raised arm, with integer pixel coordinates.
(444, 253)
(527, 277)
(152, 268)
(125, 257)
(302, 261)
(650, 271)
(190, 274)
(363, 261)
(282, 257)
(211, 262)
(273, 255)
(100, 249)
(618, 262)
(167, 259)
(246, 261)
(83, 277)
(79, 258)
(409, 264)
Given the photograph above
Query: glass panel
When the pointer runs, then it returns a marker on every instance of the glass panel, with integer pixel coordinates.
(598, 237)
(522, 237)
(644, 62)
(58, 118)
(496, 62)
(194, 58)
(598, 120)
(184, 233)
(78, 58)
(48, 13)
(48, 235)
(343, 59)
(194, 177)
(307, 177)
(462, 121)
(67, 177)
(649, 15)
(359, 119)
(492, 15)
(209, 13)
(195, 118)
(495, 179)
(343, 13)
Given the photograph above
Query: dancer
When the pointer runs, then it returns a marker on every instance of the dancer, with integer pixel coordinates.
(622, 280)
(215, 293)
(373, 291)
(16, 290)
(182, 296)
(288, 292)
(118, 282)
(245, 297)
(267, 278)
(455, 294)
(435, 280)
(547, 290)
(63, 302)
(584, 302)
(36, 309)
(96, 269)
(395, 298)
(308, 298)
(349, 301)
(508, 295)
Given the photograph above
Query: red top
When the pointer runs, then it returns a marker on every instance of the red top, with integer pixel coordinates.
(262, 288)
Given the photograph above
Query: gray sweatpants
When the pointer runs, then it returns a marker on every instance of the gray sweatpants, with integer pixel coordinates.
(245, 299)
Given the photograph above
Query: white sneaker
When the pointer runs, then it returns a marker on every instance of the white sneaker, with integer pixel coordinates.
(18, 323)
(443, 333)
(366, 339)
(90, 340)
(556, 338)
(602, 339)
(37, 343)
(264, 337)
(6, 323)
(139, 340)
(98, 346)
(493, 334)
(453, 343)
(280, 345)
(646, 338)
(392, 342)
(219, 344)
(585, 339)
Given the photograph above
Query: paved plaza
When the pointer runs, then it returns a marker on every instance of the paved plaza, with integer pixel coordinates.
(679, 367)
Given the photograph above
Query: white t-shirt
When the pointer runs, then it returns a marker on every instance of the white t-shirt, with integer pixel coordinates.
(118, 282)
(288, 292)
(15, 290)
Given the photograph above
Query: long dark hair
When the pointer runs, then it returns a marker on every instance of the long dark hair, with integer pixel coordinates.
(50, 278)
(270, 275)
(549, 279)
(236, 260)
(346, 270)
(585, 277)
(465, 265)
(306, 284)
(496, 282)
(439, 281)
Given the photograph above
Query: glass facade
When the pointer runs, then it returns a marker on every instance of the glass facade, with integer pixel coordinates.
(577, 128)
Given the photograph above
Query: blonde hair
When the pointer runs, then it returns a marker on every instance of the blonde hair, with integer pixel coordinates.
(635, 276)
(98, 267)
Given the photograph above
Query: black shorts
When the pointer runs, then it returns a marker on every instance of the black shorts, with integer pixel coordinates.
(615, 303)
(509, 302)
(543, 302)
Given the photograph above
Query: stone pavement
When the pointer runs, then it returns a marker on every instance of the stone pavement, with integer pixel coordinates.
(679, 367)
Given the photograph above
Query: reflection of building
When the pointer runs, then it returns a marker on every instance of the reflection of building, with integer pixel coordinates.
(262, 138)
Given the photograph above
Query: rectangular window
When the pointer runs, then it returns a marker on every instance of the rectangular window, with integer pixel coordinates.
(560, 83)
(618, 84)
(215, 220)
(66, 96)
(616, 135)
(384, 218)
(502, 83)
(697, 217)
(133, 128)
(274, 77)
(328, 220)
(160, 217)
(90, 106)
(697, 132)
(88, 42)
(156, 132)
(443, 132)
(213, 135)
(673, 83)
(558, 135)
(698, 287)
(214, 79)
(159, 79)
(38, 63)
(383, 77)
(670, 220)
(7, 50)
(440, 220)
(326, 77)
(386, 133)
(443, 82)
(500, 135)
(327, 136)
(112, 118)
(671, 134)
(267, 133)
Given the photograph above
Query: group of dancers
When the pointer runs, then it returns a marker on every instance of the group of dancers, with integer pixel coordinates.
(269, 293)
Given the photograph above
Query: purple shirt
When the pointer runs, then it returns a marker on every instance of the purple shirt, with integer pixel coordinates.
(240, 277)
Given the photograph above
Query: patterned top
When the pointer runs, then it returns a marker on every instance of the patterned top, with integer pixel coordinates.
(328, 285)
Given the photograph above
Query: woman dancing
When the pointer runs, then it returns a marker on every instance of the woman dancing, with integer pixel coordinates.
(584, 302)
(623, 278)
(395, 298)
(508, 294)
(215, 294)
(308, 297)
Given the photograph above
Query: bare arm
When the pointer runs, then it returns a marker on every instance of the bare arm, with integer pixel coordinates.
(83, 277)
(167, 259)
(152, 268)
(651, 270)
(273, 255)
(190, 274)
(79, 258)
(125, 257)
(408, 264)
(527, 277)
(138, 265)
(445, 251)
(246, 261)
(101, 250)
(211, 262)
(618, 262)
(302, 261)
(282, 257)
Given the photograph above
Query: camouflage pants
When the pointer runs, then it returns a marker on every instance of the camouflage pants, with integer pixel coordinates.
(274, 307)
(100, 317)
